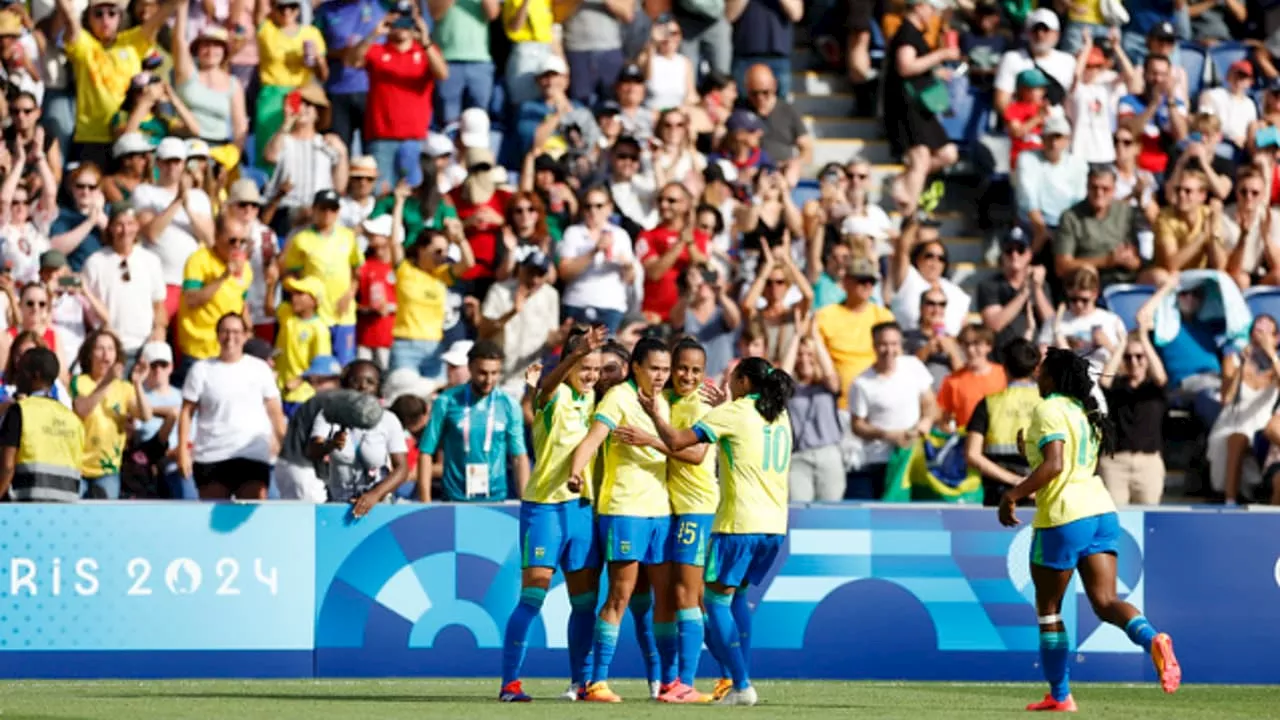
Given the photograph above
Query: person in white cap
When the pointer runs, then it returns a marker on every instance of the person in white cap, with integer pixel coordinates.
(1047, 183)
(159, 435)
(360, 199)
(438, 162)
(549, 114)
(1042, 32)
(457, 370)
(244, 203)
(175, 214)
(132, 154)
(376, 293)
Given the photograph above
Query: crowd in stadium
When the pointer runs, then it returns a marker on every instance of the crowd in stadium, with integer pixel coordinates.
(214, 213)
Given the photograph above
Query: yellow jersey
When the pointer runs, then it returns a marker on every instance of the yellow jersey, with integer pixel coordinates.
(281, 55)
(755, 461)
(299, 341)
(693, 488)
(421, 298)
(635, 478)
(102, 78)
(106, 428)
(198, 326)
(330, 258)
(1077, 492)
(559, 427)
(537, 25)
(847, 335)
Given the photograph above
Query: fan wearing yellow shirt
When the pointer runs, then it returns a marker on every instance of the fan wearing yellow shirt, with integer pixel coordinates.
(422, 293)
(1075, 526)
(754, 436)
(557, 526)
(634, 511)
(327, 250)
(301, 337)
(215, 282)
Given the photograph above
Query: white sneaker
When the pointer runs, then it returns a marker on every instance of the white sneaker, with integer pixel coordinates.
(741, 697)
(655, 689)
(571, 694)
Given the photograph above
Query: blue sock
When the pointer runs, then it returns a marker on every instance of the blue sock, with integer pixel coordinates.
(689, 626)
(582, 618)
(742, 617)
(666, 637)
(643, 619)
(606, 641)
(1054, 649)
(1141, 632)
(517, 637)
(725, 632)
(713, 647)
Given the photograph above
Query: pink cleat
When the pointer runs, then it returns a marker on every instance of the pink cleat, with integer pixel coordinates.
(1051, 705)
(1166, 662)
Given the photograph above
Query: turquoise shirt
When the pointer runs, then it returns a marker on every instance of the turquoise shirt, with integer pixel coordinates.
(459, 407)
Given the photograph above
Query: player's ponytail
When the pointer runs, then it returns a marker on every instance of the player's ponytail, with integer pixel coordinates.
(774, 387)
(1071, 376)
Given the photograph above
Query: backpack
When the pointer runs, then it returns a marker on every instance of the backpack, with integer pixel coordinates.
(708, 9)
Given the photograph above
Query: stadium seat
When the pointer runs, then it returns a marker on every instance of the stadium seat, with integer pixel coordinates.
(1192, 59)
(877, 43)
(1264, 300)
(1224, 55)
(1125, 300)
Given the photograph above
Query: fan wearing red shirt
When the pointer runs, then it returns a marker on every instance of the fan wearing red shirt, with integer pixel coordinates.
(376, 293)
(480, 205)
(667, 251)
(402, 75)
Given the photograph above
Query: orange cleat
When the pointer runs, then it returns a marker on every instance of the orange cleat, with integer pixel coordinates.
(722, 688)
(1051, 705)
(678, 692)
(1166, 662)
(600, 692)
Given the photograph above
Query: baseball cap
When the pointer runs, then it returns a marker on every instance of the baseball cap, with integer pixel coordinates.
(155, 351)
(554, 64)
(1243, 67)
(473, 128)
(364, 166)
(381, 226)
(858, 226)
(404, 22)
(259, 348)
(323, 366)
(407, 381)
(631, 73)
(132, 143)
(1015, 238)
(720, 171)
(1163, 31)
(52, 260)
(116, 209)
(456, 355)
(607, 107)
(437, 145)
(862, 267)
(1043, 16)
(535, 259)
(197, 148)
(1032, 78)
(244, 190)
(744, 120)
(172, 148)
(1096, 58)
(1056, 124)
(312, 286)
(327, 197)
(10, 25)
(479, 156)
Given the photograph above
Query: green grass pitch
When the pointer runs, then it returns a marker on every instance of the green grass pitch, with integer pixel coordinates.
(471, 698)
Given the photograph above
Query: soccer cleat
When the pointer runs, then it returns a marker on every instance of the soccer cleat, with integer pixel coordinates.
(573, 693)
(513, 693)
(1166, 662)
(600, 692)
(1051, 705)
(723, 686)
(655, 690)
(746, 696)
(678, 692)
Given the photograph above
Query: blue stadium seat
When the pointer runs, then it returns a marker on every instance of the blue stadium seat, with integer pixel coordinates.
(1224, 55)
(877, 41)
(1192, 59)
(1125, 300)
(1263, 300)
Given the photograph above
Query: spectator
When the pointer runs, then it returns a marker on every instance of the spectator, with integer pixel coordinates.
(1250, 389)
(547, 183)
(845, 329)
(675, 157)
(771, 219)
(35, 316)
(1133, 184)
(1264, 133)
(530, 226)
(302, 342)
(76, 230)
(133, 167)
(366, 467)
(668, 249)
(308, 160)
(1201, 152)
(1162, 113)
(762, 35)
(293, 56)
(522, 315)
(983, 45)
(1040, 52)
(528, 25)
(1190, 357)
(1024, 117)
(635, 116)
(402, 72)
(210, 92)
(176, 217)
(241, 420)
(786, 139)
(1232, 103)
(1080, 325)
(717, 97)
(344, 23)
(596, 265)
(376, 297)
(244, 203)
(1150, 30)
(129, 283)
(23, 229)
(669, 76)
(706, 313)
(930, 342)
(919, 262)
(74, 309)
(817, 465)
(1134, 385)
(18, 66)
(215, 283)
(593, 34)
(708, 34)
(911, 121)
(771, 297)
(1254, 251)
(422, 282)
(27, 140)
(991, 437)
(891, 405)
(1047, 183)
(158, 437)
(422, 207)
(1211, 25)
(1099, 232)
(42, 440)
(963, 389)
(1015, 303)
(359, 201)
(632, 188)
(1095, 95)
(740, 145)
(828, 287)
(479, 430)
(328, 252)
(105, 60)
(1190, 233)
(462, 32)
(480, 204)
(108, 406)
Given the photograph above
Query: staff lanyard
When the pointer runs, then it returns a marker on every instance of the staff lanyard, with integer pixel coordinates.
(465, 425)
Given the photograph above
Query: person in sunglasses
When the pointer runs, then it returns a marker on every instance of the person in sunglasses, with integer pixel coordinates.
(105, 59)
(215, 282)
(1099, 232)
(1254, 233)
(480, 204)
(175, 214)
(1080, 325)
(1134, 383)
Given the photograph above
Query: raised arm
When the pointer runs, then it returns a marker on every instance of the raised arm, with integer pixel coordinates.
(183, 66)
(591, 342)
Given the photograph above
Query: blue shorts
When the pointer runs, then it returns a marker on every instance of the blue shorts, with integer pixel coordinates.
(1063, 547)
(626, 538)
(690, 535)
(738, 560)
(558, 535)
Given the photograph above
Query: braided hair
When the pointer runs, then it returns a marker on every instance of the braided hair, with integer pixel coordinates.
(774, 387)
(1070, 375)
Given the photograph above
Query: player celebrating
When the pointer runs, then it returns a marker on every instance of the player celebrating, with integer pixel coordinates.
(1075, 524)
(634, 510)
(754, 436)
(557, 527)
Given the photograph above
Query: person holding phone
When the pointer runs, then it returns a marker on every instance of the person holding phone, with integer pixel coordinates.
(596, 264)
(292, 56)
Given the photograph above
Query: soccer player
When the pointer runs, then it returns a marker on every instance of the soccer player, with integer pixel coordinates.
(754, 436)
(633, 506)
(1075, 524)
(557, 526)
